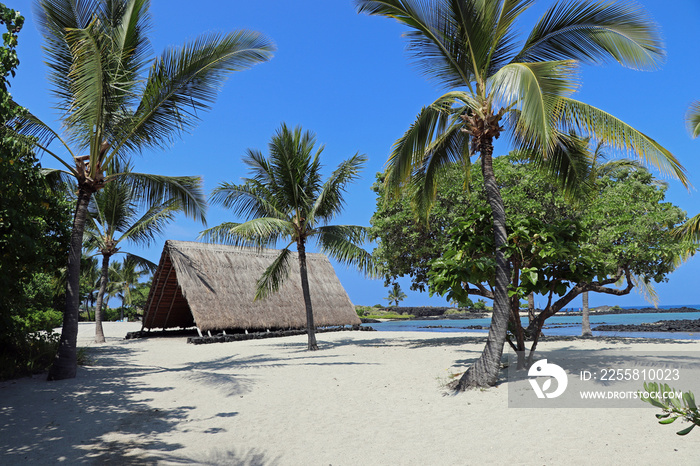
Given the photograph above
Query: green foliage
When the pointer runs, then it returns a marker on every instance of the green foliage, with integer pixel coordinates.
(405, 245)
(555, 249)
(34, 223)
(673, 408)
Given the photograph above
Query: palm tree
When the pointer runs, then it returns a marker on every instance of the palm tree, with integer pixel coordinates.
(116, 101)
(116, 216)
(498, 85)
(124, 278)
(395, 294)
(287, 200)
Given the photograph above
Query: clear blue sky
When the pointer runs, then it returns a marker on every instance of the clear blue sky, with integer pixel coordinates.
(347, 77)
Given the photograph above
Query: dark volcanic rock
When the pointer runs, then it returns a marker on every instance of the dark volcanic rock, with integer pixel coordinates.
(686, 325)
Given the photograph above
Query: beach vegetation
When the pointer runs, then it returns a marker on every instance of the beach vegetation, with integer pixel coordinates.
(287, 200)
(117, 101)
(558, 250)
(34, 231)
(498, 84)
(673, 407)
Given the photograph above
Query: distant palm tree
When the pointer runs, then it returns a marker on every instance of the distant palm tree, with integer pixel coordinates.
(117, 101)
(287, 200)
(395, 294)
(524, 89)
(117, 215)
(124, 278)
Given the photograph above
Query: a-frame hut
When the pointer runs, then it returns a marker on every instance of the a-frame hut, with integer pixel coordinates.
(211, 287)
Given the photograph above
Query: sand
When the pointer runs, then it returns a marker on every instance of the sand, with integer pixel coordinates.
(366, 398)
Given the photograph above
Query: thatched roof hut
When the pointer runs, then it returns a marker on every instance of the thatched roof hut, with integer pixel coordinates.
(212, 287)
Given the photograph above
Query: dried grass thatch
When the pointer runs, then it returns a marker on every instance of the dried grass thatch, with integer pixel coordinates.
(212, 287)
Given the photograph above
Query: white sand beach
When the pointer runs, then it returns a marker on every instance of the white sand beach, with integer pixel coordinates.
(367, 398)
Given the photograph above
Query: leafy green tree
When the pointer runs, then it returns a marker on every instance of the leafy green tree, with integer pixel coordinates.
(559, 251)
(121, 213)
(524, 89)
(396, 295)
(117, 101)
(287, 200)
(34, 225)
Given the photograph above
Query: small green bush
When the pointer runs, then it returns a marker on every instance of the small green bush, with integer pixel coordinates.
(28, 355)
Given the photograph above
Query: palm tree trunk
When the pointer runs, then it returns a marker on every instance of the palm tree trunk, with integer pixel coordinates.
(585, 322)
(310, 328)
(65, 366)
(99, 332)
(485, 371)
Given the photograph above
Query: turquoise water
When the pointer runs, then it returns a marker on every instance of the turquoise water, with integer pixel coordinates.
(557, 325)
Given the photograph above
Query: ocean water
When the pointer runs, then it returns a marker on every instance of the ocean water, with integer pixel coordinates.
(560, 324)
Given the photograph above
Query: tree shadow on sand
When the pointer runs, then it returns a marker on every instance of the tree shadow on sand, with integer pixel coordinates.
(93, 419)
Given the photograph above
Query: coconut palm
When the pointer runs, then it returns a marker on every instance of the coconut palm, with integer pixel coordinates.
(116, 101)
(524, 89)
(117, 215)
(287, 200)
(124, 277)
(396, 295)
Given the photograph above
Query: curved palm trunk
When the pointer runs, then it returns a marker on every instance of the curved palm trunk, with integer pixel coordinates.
(65, 365)
(99, 332)
(485, 371)
(585, 321)
(310, 327)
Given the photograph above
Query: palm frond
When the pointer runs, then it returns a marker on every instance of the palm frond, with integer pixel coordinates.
(152, 224)
(570, 165)
(185, 81)
(690, 230)
(258, 232)
(157, 189)
(141, 262)
(646, 290)
(692, 119)
(535, 90)
(250, 199)
(342, 242)
(54, 18)
(330, 201)
(25, 124)
(274, 275)
(437, 41)
(584, 118)
(595, 32)
(410, 151)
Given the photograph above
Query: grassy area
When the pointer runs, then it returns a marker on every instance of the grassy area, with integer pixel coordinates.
(377, 312)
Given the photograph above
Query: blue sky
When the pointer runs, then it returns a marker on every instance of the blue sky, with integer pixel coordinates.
(347, 78)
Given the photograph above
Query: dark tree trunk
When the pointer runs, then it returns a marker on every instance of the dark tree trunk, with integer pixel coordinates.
(65, 365)
(104, 277)
(310, 327)
(486, 369)
(585, 321)
(530, 308)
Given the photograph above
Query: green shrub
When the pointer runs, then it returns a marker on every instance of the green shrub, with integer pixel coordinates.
(673, 408)
(28, 354)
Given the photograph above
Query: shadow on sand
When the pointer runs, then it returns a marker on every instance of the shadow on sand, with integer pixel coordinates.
(93, 419)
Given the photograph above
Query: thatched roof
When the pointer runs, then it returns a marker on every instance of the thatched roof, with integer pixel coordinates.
(212, 287)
